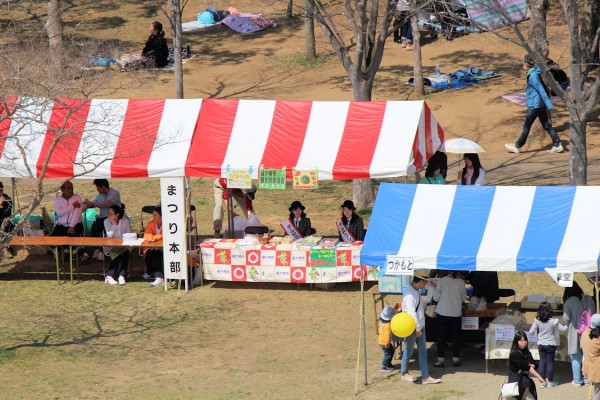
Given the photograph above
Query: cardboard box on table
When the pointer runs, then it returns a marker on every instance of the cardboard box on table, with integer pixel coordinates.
(500, 334)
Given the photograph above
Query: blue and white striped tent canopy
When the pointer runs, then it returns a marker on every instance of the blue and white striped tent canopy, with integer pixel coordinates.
(486, 228)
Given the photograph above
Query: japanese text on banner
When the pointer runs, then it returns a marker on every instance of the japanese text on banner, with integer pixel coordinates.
(172, 195)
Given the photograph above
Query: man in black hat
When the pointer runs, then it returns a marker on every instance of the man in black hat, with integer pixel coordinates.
(5, 208)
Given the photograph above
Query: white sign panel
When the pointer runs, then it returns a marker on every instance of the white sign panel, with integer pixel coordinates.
(504, 332)
(172, 198)
(396, 265)
(562, 276)
(470, 323)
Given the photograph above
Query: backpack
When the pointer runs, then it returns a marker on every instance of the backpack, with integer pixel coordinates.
(585, 321)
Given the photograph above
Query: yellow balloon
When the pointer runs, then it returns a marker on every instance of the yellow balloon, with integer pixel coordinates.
(403, 325)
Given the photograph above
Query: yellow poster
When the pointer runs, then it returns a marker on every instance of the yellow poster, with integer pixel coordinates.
(306, 179)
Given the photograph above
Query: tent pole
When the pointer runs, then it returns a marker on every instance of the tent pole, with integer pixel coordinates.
(14, 197)
(361, 335)
(230, 213)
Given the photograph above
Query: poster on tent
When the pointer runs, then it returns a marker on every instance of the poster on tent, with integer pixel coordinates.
(308, 179)
(271, 178)
(239, 178)
(172, 198)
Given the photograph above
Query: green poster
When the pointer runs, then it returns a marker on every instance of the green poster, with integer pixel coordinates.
(322, 257)
(272, 178)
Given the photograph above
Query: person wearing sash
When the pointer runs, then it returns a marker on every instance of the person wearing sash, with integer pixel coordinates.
(298, 224)
(350, 227)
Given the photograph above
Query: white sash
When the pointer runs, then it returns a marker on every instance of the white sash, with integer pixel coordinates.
(344, 232)
(290, 229)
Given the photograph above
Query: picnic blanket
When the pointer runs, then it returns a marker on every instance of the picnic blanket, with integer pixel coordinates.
(195, 26)
(458, 79)
(134, 61)
(248, 23)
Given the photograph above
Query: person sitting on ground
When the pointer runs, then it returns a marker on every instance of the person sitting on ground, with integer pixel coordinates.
(298, 224)
(350, 226)
(433, 175)
(154, 257)
(156, 51)
(115, 225)
(473, 173)
(385, 338)
(521, 365)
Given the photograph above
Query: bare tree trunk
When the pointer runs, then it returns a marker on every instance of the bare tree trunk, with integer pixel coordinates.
(577, 149)
(175, 16)
(54, 29)
(289, 13)
(417, 61)
(537, 31)
(363, 193)
(309, 28)
(590, 23)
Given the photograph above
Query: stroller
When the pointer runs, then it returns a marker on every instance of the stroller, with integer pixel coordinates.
(445, 17)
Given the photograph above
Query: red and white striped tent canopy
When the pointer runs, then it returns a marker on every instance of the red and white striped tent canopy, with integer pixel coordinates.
(204, 137)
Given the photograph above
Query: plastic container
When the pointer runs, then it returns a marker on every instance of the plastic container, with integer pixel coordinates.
(437, 69)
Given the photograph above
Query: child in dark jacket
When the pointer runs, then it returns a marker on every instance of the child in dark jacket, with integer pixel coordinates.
(385, 338)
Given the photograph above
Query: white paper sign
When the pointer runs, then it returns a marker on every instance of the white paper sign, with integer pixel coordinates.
(396, 265)
(470, 323)
(239, 178)
(172, 197)
(504, 332)
(562, 276)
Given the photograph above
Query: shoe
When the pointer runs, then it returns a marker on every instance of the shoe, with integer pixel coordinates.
(121, 280)
(456, 363)
(408, 378)
(551, 384)
(84, 258)
(398, 40)
(110, 280)
(544, 385)
(95, 253)
(556, 149)
(158, 282)
(146, 276)
(439, 364)
(431, 381)
(512, 148)
(409, 47)
(576, 384)
(403, 43)
(100, 256)
(387, 369)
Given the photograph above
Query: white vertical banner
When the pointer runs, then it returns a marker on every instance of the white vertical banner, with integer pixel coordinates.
(172, 199)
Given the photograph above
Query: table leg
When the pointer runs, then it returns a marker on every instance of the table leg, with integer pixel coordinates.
(71, 262)
(57, 264)
(375, 313)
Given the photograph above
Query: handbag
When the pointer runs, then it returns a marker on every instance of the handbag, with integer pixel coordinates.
(510, 390)
(430, 309)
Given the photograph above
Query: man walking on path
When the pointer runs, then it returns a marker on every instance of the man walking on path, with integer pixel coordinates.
(537, 104)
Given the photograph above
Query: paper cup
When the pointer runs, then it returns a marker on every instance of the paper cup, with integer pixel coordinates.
(110, 234)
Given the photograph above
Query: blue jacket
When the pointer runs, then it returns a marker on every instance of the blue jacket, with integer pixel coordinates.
(536, 94)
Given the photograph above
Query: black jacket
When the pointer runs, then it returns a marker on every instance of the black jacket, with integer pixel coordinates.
(157, 50)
